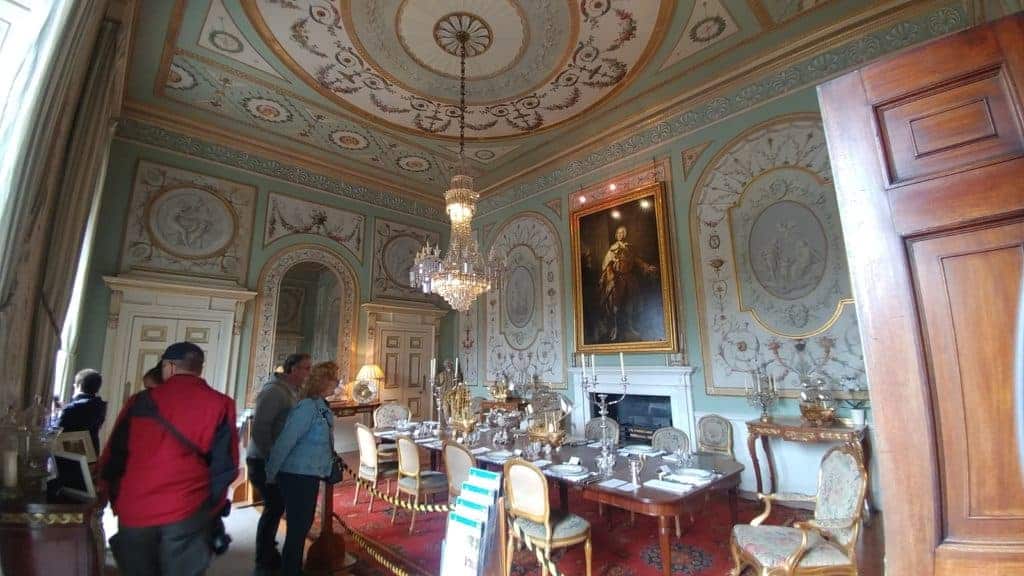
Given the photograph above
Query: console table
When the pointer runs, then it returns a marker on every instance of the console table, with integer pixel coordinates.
(38, 538)
(796, 430)
(348, 408)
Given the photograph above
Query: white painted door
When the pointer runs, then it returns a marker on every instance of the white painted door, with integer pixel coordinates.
(403, 355)
(151, 336)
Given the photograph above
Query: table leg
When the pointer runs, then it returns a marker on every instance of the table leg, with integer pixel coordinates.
(664, 530)
(433, 460)
(563, 497)
(734, 504)
(771, 461)
(752, 446)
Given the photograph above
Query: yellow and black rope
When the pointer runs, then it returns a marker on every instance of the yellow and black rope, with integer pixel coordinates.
(542, 555)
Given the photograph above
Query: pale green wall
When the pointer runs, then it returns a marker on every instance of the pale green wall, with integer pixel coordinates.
(124, 157)
(681, 187)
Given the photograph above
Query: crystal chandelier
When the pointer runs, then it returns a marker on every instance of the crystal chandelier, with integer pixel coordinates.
(462, 274)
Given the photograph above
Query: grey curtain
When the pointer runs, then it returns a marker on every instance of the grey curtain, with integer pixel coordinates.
(54, 187)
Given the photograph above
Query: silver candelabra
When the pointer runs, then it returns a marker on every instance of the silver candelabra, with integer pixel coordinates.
(763, 395)
(607, 459)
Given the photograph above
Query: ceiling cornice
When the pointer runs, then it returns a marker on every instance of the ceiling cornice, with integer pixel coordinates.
(169, 120)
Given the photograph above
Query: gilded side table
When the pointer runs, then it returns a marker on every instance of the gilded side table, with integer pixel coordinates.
(794, 429)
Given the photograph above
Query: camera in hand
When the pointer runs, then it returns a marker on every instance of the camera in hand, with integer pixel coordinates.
(219, 537)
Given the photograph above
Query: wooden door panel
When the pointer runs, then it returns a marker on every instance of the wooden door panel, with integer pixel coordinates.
(968, 286)
(928, 156)
(962, 124)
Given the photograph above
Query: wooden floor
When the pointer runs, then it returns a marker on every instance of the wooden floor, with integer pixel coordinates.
(871, 551)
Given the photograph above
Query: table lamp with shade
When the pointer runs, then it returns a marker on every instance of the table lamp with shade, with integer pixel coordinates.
(364, 389)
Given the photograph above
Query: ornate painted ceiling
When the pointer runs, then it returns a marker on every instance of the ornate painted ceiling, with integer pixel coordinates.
(368, 89)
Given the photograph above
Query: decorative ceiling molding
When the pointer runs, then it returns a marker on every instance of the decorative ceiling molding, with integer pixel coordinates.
(709, 24)
(691, 155)
(166, 139)
(349, 56)
(807, 67)
(221, 35)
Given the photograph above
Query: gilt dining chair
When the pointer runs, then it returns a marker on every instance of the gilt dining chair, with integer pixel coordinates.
(529, 509)
(412, 481)
(824, 545)
(371, 468)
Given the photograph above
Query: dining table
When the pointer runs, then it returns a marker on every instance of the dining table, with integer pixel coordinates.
(665, 487)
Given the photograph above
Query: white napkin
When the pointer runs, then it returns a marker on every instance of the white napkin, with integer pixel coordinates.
(611, 483)
(480, 450)
(627, 487)
(541, 463)
(688, 479)
(668, 486)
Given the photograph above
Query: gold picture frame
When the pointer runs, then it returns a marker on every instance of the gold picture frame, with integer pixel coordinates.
(623, 288)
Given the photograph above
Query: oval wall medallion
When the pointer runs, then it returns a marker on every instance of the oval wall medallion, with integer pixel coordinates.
(520, 301)
(788, 250)
(190, 222)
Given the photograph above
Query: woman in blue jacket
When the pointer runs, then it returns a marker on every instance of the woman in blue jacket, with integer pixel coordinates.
(301, 458)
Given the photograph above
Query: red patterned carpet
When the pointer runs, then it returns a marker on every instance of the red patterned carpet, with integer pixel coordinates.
(619, 550)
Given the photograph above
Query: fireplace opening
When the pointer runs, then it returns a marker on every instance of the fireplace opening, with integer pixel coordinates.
(638, 415)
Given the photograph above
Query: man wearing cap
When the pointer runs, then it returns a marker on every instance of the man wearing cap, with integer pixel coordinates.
(163, 499)
(273, 404)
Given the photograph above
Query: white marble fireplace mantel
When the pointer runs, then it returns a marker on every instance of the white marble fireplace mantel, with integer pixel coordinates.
(672, 381)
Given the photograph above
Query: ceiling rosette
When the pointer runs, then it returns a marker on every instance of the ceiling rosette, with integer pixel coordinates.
(530, 65)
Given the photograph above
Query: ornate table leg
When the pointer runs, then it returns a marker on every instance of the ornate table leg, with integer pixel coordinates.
(771, 461)
(664, 531)
(752, 446)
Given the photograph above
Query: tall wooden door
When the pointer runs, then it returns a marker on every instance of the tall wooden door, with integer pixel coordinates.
(403, 357)
(928, 157)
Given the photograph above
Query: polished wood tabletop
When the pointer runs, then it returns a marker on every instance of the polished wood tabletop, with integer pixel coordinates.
(663, 504)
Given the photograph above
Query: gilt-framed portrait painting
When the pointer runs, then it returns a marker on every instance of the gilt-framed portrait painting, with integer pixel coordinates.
(623, 275)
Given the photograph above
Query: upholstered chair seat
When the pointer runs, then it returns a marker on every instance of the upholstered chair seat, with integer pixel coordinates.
(826, 544)
(428, 480)
(772, 545)
(565, 527)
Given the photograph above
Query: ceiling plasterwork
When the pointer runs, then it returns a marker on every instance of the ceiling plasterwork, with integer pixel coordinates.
(367, 91)
(531, 65)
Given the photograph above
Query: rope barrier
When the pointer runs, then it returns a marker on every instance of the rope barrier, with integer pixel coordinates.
(542, 555)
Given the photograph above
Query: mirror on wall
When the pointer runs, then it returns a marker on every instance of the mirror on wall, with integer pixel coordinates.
(308, 313)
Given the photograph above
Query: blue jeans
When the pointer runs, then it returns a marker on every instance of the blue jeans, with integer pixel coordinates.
(299, 493)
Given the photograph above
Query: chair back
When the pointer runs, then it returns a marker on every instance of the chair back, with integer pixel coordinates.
(457, 462)
(842, 484)
(592, 430)
(408, 457)
(388, 414)
(526, 491)
(367, 446)
(670, 439)
(714, 434)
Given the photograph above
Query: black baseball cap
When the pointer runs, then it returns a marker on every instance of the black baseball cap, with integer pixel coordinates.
(180, 350)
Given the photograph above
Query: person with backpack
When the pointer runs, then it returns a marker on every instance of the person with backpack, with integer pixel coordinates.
(166, 469)
(303, 456)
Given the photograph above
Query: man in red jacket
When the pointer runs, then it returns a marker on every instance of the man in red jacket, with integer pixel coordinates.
(163, 500)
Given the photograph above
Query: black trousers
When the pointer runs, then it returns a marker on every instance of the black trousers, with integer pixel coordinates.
(299, 493)
(273, 508)
(178, 549)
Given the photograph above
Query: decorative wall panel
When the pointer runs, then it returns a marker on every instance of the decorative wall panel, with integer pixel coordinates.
(773, 287)
(394, 248)
(185, 222)
(524, 321)
(287, 215)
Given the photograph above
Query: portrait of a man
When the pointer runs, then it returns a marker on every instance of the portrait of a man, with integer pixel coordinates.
(623, 275)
